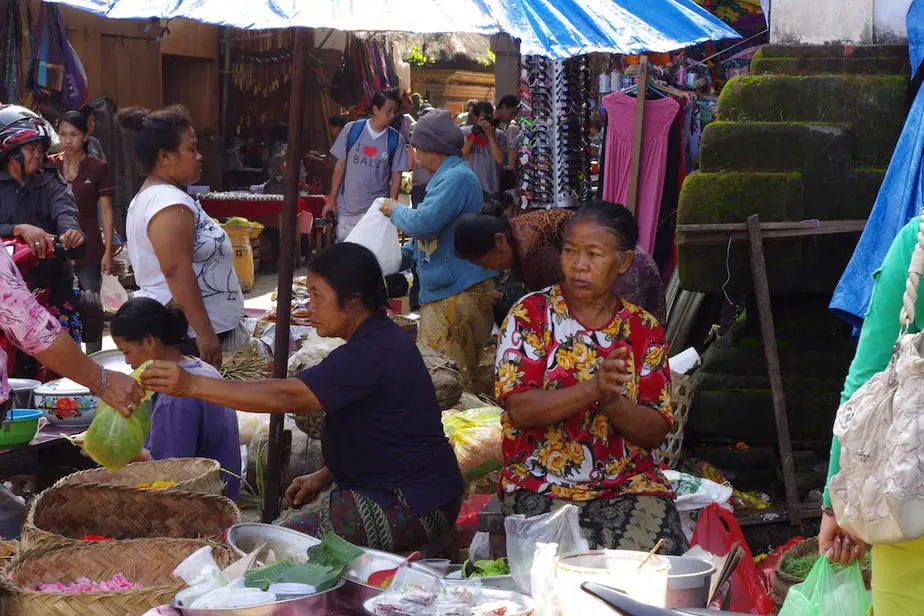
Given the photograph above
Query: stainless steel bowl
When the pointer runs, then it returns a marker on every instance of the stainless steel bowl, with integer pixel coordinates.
(112, 359)
(313, 604)
(688, 582)
(357, 591)
(246, 537)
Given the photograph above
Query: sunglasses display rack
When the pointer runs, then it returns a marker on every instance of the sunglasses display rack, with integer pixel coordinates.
(554, 119)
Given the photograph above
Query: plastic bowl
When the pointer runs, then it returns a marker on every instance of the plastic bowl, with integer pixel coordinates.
(19, 428)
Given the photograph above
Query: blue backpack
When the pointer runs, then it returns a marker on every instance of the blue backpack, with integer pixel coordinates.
(357, 129)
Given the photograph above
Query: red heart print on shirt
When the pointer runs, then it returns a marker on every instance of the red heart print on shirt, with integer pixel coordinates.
(370, 150)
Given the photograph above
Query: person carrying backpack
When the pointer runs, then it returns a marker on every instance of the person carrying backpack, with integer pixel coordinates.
(370, 158)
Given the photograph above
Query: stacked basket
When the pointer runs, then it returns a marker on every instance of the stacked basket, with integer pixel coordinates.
(152, 531)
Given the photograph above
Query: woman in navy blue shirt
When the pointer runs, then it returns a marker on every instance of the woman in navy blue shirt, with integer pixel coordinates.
(391, 480)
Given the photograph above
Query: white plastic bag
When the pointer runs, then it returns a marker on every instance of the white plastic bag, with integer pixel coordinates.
(562, 527)
(112, 294)
(697, 493)
(375, 231)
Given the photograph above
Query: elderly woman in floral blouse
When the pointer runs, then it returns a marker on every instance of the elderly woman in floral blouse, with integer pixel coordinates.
(583, 379)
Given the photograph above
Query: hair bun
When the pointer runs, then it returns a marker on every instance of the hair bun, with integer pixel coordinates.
(133, 118)
(178, 324)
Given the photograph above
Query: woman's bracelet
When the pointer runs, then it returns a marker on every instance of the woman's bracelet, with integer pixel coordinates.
(103, 382)
(828, 510)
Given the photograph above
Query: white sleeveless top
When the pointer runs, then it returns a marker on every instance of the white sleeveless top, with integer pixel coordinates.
(212, 259)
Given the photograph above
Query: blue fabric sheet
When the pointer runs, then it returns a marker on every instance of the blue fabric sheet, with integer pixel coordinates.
(552, 28)
(916, 34)
(900, 199)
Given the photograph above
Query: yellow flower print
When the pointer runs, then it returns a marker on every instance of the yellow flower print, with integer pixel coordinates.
(630, 391)
(664, 400)
(507, 377)
(654, 356)
(532, 340)
(559, 306)
(565, 358)
(585, 355)
(562, 492)
(552, 435)
(510, 433)
(616, 467)
(519, 312)
(553, 458)
(575, 452)
(519, 471)
(601, 427)
(547, 337)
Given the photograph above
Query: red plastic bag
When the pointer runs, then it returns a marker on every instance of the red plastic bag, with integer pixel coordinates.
(468, 515)
(767, 567)
(717, 531)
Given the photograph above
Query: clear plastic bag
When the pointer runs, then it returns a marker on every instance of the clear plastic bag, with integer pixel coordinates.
(112, 294)
(562, 527)
(476, 436)
(828, 592)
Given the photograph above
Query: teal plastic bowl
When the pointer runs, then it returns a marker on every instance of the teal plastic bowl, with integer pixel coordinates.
(19, 428)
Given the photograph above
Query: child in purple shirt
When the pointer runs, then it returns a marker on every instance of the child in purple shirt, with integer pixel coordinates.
(144, 329)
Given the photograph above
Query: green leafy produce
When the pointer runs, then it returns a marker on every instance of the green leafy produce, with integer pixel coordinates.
(267, 575)
(113, 440)
(320, 576)
(237, 221)
(800, 566)
(485, 568)
(335, 552)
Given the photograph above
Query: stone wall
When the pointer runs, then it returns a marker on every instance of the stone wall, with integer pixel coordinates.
(808, 135)
(819, 22)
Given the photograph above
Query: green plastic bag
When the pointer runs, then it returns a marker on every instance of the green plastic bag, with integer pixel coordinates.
(114, 440)
(476, 436)
(828, 591)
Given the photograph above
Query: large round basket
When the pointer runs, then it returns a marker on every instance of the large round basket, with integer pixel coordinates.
(190, 474)
(149, 562)
(783, 581)
(62, 515)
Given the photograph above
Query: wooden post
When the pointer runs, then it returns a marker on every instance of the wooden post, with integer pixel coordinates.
(768, 333)
(287, 233)
(638, 135)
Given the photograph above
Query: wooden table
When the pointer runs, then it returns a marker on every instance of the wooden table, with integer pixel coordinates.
(50, 456)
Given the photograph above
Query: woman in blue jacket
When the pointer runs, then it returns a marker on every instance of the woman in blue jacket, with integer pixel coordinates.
(455, 295)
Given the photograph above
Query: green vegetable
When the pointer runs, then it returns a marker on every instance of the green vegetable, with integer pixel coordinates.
(113, 440)
(486, 568)
(320, 576)
(800, 566)
(267, 575)
(335, 552)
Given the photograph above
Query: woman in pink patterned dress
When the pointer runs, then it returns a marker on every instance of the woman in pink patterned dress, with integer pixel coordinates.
(29, 326)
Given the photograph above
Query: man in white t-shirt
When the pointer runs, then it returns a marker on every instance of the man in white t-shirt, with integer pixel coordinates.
(370, 158)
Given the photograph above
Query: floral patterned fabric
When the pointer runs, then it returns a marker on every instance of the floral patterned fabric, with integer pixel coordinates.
(24, 321)
(542, 346)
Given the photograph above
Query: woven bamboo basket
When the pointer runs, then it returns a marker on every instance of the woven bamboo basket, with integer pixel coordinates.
(61, 515)
(190, 474)
(683, 389)
(149, 562)
(783, 581)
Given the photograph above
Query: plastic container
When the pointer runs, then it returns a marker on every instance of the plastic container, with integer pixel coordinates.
(20, 427)
(21, 392)
(614, 568)
(289, 590)
(688, 582)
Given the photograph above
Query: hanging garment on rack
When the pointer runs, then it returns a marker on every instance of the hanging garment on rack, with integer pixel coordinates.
(659, 117)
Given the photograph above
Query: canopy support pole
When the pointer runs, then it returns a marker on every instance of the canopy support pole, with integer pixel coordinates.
(279, 439)
(638, 135)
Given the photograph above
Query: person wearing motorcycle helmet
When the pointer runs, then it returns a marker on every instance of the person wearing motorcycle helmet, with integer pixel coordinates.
(35, 202)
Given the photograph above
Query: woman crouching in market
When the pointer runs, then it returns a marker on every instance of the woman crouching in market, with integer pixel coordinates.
(144, 329)
(391, 480)
(584, 383)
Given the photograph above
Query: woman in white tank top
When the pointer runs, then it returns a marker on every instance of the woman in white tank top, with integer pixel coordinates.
(177, 252)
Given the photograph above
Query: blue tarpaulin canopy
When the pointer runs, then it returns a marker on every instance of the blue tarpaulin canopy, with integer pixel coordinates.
(553, 28)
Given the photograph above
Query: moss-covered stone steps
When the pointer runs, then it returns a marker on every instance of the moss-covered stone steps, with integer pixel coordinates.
(761, 65)
(775, 146)
(873, 105)
(833, 51)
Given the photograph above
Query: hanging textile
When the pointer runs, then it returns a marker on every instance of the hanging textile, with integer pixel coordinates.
(11, 72)
(659, 117)
(57, 73)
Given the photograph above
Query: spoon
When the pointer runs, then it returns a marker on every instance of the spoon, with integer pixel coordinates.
(384, 578)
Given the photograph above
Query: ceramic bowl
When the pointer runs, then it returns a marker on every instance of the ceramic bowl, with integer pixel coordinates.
(66, 403)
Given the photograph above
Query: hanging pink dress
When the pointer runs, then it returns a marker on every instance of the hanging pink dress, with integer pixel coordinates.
(659, 116)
